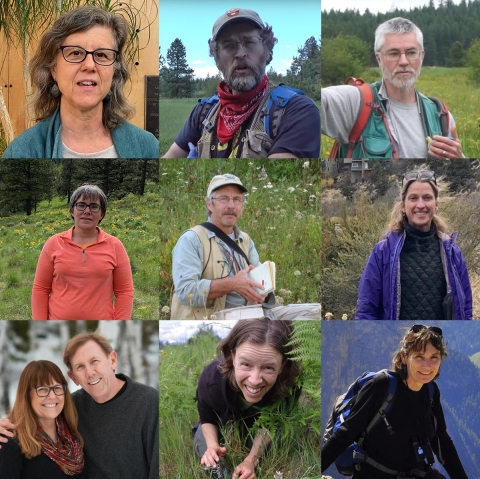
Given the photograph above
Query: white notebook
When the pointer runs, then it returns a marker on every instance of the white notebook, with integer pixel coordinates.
(264, 274)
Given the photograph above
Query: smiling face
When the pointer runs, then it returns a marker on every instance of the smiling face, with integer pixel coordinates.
(422, 366)
(94, 371)
(49, 407)
(420, 205)
(84, 85)
(402, 73)
(86, 219)
(244, 68)
(257, 368)
(225, 215)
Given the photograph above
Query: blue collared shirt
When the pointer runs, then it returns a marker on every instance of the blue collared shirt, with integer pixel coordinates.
(187, 267)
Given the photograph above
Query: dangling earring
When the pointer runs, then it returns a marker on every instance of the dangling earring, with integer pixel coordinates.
(108, 96)
(55, 91)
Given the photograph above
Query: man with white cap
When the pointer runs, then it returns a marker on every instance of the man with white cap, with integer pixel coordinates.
(209, 272)
(249, 117)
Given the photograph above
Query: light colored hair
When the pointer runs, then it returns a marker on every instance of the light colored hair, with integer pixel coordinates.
(115, 109)
(38, 373)
(79, 340)
(395, 223)
(397, 25)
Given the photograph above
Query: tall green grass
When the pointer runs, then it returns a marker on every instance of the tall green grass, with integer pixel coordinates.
(298, 457)
(454, 88)
(133, 220)
(282, 217)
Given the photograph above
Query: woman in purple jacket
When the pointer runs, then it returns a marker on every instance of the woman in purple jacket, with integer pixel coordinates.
(416, 271)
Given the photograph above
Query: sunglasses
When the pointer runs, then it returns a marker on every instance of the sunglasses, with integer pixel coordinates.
(425, 175)
(416, 328)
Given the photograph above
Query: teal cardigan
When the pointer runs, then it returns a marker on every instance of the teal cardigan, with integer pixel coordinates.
(44, 141)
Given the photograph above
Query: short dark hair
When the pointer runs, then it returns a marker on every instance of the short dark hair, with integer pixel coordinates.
(269, 41)
(89, 191)
(117, 108)
(265, 332)
(413, 342)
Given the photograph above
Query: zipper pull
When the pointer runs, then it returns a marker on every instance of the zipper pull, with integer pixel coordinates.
(84, 256)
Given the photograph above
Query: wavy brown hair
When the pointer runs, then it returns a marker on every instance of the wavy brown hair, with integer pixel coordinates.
(395, 223)
(413, 342)
(38, 373)
(265, 332)
(115, 109)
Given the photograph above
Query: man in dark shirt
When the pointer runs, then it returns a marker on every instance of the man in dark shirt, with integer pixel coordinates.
(242, 47)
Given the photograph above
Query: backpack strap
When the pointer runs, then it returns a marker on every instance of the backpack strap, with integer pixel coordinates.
(366, 106)
(430, 395)
(442, 112)
(208, 109)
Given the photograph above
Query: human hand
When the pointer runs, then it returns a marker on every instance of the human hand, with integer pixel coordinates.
(446, 147)
(211, 456)
(5, 425)
(245, 470)
(244, 286)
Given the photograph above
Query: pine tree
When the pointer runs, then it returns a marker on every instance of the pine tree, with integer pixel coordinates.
(178, 75)
(24, 183)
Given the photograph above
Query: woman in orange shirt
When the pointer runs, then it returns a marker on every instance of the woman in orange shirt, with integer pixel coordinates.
(80, 270)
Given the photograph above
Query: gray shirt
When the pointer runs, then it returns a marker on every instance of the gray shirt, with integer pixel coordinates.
(187, 267)
(341, 105)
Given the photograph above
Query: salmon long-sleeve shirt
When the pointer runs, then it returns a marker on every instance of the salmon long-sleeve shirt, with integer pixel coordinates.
(72, 282)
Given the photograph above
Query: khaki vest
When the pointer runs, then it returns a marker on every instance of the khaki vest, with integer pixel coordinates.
(257, 143)
(213, 268)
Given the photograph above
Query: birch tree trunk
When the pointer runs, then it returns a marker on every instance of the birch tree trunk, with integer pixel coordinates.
(4, 376)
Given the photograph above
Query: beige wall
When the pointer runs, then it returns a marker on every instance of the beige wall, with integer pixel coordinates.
(12, 83)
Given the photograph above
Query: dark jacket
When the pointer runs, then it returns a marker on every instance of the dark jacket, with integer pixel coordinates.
(409, 417)
(379, 289)
(44, 141)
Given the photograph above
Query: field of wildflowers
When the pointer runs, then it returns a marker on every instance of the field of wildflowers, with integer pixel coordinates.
(454, 88)
(282, 217)
(133, 219)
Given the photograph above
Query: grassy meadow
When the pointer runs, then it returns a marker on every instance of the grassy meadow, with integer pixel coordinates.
(180, 367)
(282, 216)
(133, 220)
(173, 114)
(454, 88)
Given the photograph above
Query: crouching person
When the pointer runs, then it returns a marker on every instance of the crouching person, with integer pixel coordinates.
(251, 371)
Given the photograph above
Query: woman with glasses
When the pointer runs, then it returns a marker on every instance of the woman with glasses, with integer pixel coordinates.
(416, 271)
(46, 439)
(414, 428)
(80, 270)
(79, 73)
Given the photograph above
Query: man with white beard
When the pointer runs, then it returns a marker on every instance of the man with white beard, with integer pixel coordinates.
(249, 117)
(402, 122)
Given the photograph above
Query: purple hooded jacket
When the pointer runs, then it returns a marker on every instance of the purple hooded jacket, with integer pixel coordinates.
(379, 289)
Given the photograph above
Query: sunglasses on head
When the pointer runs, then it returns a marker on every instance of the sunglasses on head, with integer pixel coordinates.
(416, 328)
(426, 175)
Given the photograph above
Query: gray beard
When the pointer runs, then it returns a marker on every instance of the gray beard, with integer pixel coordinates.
(243, 83)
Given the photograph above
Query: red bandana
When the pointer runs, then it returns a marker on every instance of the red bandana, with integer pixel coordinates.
(67, 453)
(235, 109)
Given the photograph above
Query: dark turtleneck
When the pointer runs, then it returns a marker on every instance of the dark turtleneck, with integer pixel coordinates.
(422, 278)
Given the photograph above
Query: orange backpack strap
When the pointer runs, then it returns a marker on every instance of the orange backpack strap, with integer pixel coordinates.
(366, 105)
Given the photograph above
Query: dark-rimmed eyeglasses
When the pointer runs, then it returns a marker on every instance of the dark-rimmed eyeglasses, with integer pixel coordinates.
(237, 200)
(94, 207)
(416, 328)
(44, 391)
(425, 175)
(102, 56)
(231, 45)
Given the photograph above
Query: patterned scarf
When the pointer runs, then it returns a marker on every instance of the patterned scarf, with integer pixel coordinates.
(67, 454)
(235, 109)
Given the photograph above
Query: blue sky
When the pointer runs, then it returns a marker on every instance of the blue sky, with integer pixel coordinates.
(191, 21)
